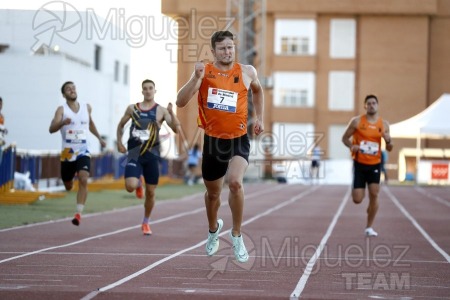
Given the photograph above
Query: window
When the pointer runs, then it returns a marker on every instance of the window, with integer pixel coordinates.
(342, 38)
(97, 57)
(294, 97)
(294, 89)
(295, 37)
(125, 75)
(294, 46)
(341, 90)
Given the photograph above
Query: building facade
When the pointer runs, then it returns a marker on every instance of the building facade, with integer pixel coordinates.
(322, 57)
(39, 51)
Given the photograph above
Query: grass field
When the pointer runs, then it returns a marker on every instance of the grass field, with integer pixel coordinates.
(53, 209)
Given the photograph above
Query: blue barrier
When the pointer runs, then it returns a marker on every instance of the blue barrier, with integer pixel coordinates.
(7, 166)
(46, 165)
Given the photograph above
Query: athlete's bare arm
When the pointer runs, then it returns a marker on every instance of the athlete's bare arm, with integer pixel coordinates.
(125, 118)
(387, 136)
(257, 98)
(58, 122)
(93, 128)
(349, 133)
(186, 93)
(169, 116)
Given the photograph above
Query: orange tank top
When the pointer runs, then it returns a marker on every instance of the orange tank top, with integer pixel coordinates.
(368, 137)
(222, 102)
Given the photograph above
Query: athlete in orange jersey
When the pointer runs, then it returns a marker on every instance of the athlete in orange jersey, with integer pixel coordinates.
(366, 132)
(222, 97)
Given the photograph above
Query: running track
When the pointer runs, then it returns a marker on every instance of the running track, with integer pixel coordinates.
(305, 242)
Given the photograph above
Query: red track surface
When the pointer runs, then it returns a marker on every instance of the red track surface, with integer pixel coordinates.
(304, 241)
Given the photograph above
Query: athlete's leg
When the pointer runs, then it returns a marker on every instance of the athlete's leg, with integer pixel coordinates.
(372, 209)
(68, 170)
(83, 177)
(131, 183)
(212, 201)
(149, 199)
(358, 195)
(236, 171)
(133, 171)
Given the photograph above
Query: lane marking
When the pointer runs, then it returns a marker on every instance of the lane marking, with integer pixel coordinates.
(436, 198)
(128, 228)
(308, 270)
(416, 224)
(93, 294)
(101, 235)
(100, 213)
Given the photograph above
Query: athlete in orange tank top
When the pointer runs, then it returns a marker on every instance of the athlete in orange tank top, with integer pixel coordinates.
(363, 137)
(368, 137)
(222, 102)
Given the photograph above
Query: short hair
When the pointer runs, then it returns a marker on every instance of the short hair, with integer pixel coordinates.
(64, 86)
(219, 36)
(148, 81)
(370, 96)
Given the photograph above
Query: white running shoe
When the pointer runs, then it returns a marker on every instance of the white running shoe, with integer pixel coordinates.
(240, 252)
(370, 232)
(212, 244)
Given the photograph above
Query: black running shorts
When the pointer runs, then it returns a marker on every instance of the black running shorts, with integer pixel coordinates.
(69, 168)
(365, 174)
(218, 152)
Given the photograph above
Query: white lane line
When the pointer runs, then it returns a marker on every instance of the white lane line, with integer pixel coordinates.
(414, 222)
(436, 198)
(308, 270)
(128, 228)
(186, 198)
(101, 235)
(93, 294)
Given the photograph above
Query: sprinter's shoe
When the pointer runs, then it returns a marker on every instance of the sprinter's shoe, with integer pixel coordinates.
(212, 243)
(240, 252)
(370, 232)
(146, 229)
(76, 219)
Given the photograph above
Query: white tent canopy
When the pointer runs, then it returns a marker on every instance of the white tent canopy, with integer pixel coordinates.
(433, 122)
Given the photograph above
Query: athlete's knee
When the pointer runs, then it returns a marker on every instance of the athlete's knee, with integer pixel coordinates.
(83, 181)
(357, 199)
(149, 193)
(129, 189)
(235, 185)
(68, 185)
(212, 195)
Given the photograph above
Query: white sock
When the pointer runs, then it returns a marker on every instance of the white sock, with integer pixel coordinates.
(80, 208)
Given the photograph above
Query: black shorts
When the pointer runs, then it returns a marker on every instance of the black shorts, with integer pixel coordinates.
(69, 168)
(365, 174)
(146, 165)
(315, 164)
(218, 152)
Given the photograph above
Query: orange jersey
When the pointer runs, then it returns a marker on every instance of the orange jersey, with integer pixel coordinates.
(222, 102)
(2, 120)
(368, 137)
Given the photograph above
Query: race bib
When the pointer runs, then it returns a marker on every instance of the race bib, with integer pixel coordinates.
(143, 135)
(222, 100)
(370, 148)
(76, 136)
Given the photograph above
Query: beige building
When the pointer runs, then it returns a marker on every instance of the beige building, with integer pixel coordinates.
(318, 59)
